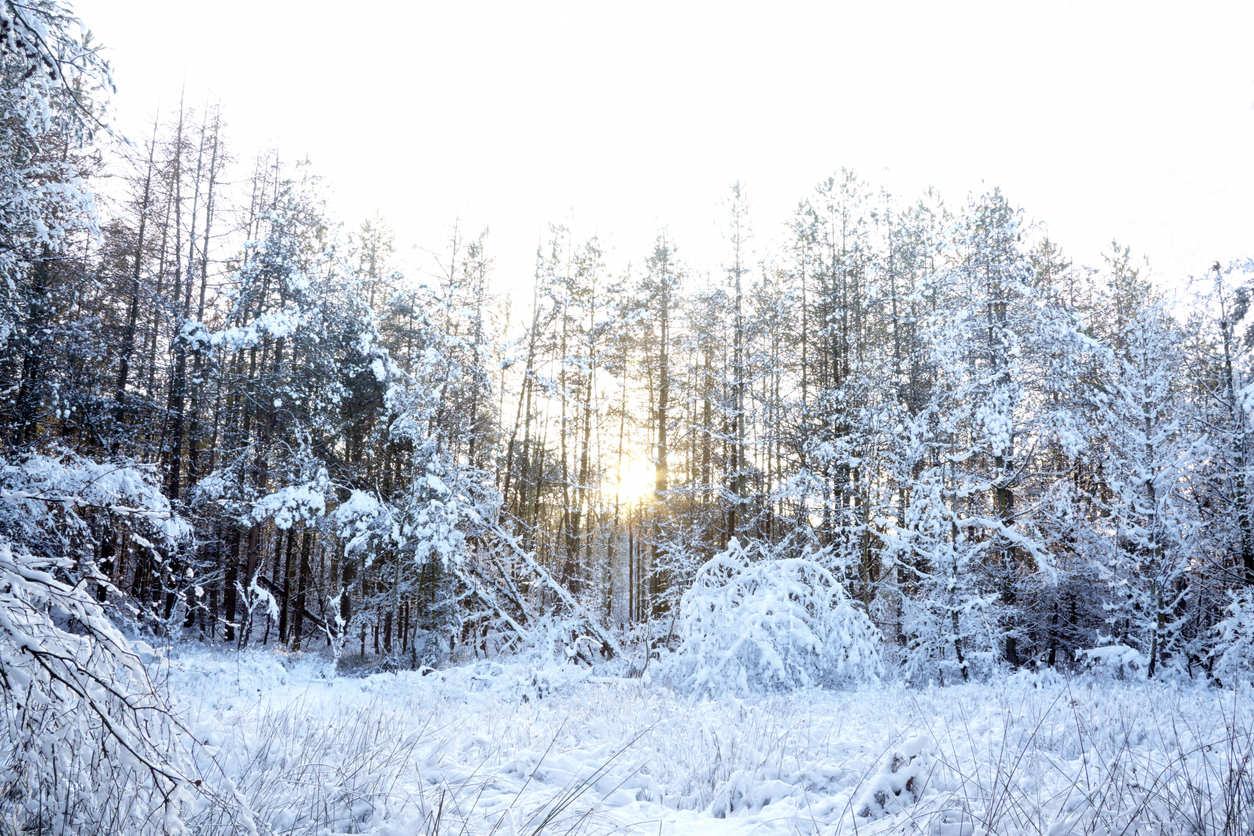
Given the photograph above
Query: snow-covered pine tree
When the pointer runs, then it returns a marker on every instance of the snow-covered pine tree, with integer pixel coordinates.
(303, 391)
(87, 743)
(998, 345)
(1226, 489)
(1152, 448)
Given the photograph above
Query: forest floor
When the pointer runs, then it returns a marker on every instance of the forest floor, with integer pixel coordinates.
(509, 749)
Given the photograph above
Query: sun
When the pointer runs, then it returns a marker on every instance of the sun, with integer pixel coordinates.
(635, 482)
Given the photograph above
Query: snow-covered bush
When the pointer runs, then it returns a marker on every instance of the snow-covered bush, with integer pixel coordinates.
(900, 780)
(80, 724)
(1117, 661)
(951, 635)
(756, 622)
(86, 743)
(1234, 649)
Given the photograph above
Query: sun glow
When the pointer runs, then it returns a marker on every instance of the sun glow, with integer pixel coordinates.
(635, 482)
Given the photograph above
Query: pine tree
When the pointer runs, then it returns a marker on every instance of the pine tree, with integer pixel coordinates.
(1152, 450)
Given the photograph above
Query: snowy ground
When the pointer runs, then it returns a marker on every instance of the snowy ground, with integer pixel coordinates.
(497, 748)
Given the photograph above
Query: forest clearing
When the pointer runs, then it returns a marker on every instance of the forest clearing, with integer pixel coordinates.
(882, 514)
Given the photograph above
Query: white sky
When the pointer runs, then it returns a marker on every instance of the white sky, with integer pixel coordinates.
(1105, 120)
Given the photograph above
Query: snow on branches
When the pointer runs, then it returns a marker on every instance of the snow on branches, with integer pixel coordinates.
(753, 622)
(82, 727)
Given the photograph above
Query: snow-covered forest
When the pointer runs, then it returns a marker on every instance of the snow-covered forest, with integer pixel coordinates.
(896, 517)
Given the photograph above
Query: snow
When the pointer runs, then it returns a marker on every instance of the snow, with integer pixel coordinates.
(773, 624)
(276, 324)
(511, 748)
(291, 504)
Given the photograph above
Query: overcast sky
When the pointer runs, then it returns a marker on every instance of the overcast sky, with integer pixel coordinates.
(1103, 120)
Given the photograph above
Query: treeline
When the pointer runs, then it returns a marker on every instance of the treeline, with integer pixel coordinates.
(1008, 459)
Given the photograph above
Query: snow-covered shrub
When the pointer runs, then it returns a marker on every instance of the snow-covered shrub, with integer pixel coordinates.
(80, 725)
(750, 625)
(1234, 648)
(952, 637)
(1117, 661)
(900, 780)
(50, 503)
(86, 743)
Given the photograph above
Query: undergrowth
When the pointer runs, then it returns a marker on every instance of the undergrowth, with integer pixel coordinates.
(491, 749)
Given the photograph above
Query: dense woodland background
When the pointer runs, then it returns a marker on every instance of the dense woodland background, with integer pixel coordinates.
(230, 418)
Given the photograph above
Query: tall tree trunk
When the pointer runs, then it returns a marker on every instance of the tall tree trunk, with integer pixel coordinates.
(132, 315)
(302, 585)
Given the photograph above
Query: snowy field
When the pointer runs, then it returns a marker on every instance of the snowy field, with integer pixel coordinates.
(498, 748)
